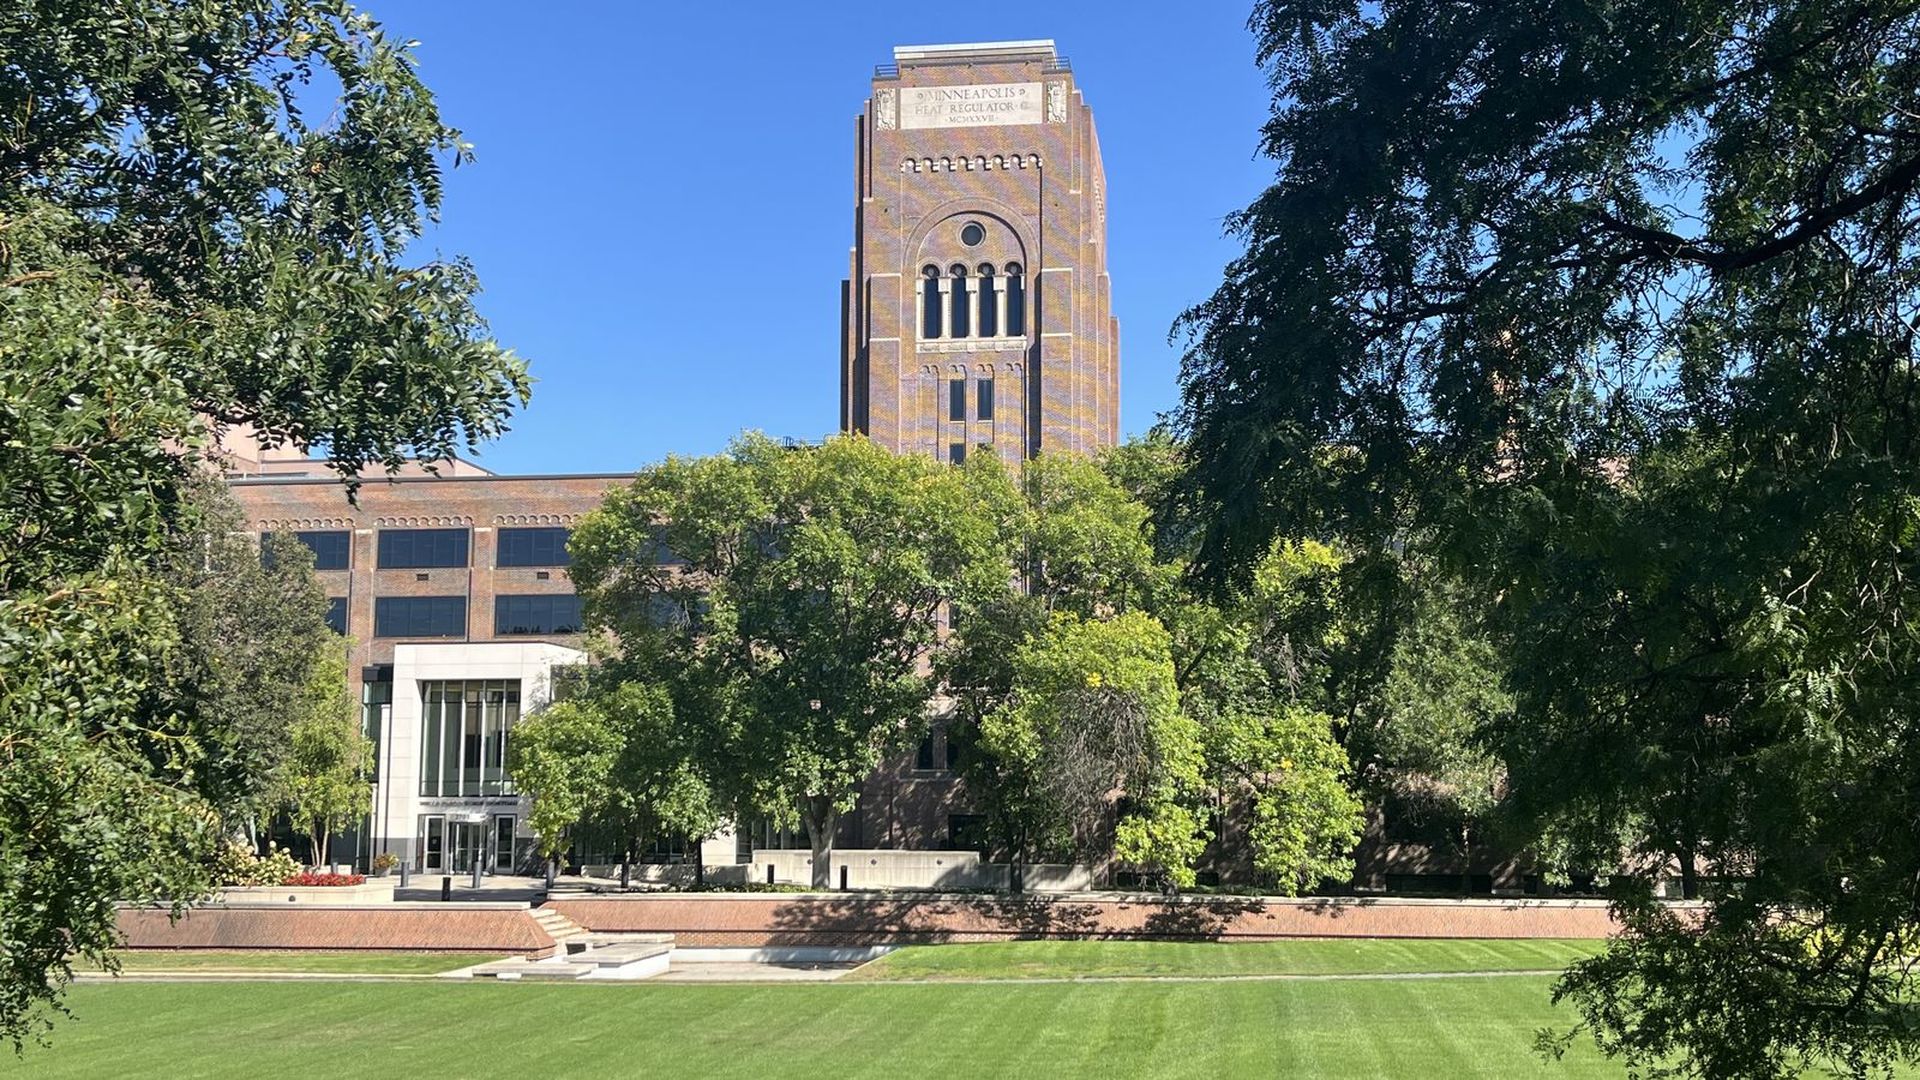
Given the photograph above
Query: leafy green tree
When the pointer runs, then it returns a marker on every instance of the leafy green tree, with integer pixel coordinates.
(561, 759)
(326, 778)
(181, 245)
(657, 787)
(786, 597)
(1094, 731)
(1066, 539)
(1626, 331)
(253, 621)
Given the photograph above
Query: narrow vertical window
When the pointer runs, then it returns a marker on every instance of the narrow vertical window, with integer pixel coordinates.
(956, 399)
(983, 407)
(989, 302)
(957, 453)
(1016, 301)
(962, 300)
(930, 302)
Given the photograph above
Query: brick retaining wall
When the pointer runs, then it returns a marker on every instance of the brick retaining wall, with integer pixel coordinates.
(831, 919)
(425, 927)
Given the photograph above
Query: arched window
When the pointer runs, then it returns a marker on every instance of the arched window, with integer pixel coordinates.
(1016, 301)
(990, 298)
(929, 302)
(960, 321)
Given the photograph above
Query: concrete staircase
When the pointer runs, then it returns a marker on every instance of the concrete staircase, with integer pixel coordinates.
(584, 955)
(566, 933)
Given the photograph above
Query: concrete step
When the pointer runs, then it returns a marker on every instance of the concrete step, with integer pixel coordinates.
(558, 926)
(610, 956)
(538, 970)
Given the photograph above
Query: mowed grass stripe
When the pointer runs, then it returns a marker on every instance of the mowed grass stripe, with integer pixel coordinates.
(1119, 959)
(1434, 1027)
(336, 962)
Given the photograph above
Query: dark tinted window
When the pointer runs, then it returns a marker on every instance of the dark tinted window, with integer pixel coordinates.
(420, 616)
(957, 452)
(533, 547)
(551, 614)
(408, 549)
(337, 614)
(956, 399)
(985, 406)
(331, 550)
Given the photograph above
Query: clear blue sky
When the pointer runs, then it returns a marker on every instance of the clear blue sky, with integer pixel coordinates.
(662, 204)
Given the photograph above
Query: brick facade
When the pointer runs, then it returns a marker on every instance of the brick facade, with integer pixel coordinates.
(965, 209)
(483, 504)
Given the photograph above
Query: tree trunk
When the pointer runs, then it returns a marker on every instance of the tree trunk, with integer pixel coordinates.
(1017, 870)
(320, 848)
(1689, 873)
(821, 818)
(1466, 860)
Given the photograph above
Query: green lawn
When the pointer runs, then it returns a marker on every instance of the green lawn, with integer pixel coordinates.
(338, 963)
(1083, 959)
(1467, 1026)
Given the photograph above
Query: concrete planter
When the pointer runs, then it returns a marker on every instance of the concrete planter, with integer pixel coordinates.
(373, 892)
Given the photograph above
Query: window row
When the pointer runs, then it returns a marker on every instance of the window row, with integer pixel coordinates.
(423, 549)
(446, 616)
(977, 303)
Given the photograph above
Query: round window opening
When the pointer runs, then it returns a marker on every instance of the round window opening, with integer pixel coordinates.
(971, 234)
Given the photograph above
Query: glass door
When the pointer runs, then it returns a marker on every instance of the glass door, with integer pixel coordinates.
(433, 853)
(464, 837)
(503, 844)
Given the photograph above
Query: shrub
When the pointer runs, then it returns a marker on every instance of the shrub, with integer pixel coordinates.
(323, 880)
(385, 861)
(236, 864)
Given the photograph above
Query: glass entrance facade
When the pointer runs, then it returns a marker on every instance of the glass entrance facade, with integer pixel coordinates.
(465, 725)
(449, 844)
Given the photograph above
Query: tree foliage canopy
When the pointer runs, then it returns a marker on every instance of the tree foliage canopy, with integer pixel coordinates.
(787, 598)
(204, 211)
(1610, 309)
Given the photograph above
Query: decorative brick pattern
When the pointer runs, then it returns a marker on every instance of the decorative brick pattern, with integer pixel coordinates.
(448, 929)
(756, 920)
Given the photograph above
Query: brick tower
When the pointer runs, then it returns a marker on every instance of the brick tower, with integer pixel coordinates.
(976, 311)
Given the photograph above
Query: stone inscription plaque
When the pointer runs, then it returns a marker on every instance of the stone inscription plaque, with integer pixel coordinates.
(983, 105)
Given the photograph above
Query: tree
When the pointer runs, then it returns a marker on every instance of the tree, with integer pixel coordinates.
(788, 596)
(326, 776)
(1094, 727)
(1066, 539)
(1625, 335)
(656, 786)
(180, 245)
(561, 759)
(253, 624)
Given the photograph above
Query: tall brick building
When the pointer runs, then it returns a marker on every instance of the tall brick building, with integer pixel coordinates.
(976, 310)
(976, 315)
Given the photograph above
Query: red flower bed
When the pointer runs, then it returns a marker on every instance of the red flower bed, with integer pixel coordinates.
(309, 879)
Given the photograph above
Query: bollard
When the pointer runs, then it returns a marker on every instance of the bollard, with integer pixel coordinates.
(406, 872)
(477, 867)
(843, 877)
(446, 888)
